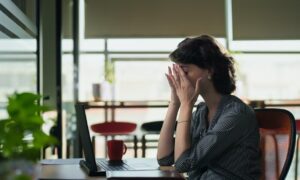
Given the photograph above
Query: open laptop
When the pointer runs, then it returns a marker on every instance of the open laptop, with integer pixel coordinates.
(98, 167)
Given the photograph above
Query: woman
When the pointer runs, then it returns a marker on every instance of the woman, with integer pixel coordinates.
(220, 140)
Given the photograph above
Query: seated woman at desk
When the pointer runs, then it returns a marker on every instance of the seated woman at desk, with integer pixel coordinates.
(220, 139)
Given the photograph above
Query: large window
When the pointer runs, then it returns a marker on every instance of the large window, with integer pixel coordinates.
(268, 70)
(263, 71)
(268, 76)
(141, 80)
(18, 59)
(139, 65)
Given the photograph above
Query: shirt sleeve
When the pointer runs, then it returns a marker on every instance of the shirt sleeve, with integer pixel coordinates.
(230, 127)
(167, 161)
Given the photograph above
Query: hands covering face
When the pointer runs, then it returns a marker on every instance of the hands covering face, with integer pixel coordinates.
(182, 90)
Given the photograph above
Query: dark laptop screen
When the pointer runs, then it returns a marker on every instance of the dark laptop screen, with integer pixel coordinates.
(85, 136)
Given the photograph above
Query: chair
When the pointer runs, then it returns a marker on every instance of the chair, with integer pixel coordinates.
(297, 147)
(278, 133)
(115, 129)
(150, 128)
(53, 132)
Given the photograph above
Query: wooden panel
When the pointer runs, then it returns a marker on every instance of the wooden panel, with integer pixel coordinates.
(267, 19)
(130, 18)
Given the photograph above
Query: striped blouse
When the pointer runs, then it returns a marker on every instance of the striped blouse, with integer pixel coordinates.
(227, 148)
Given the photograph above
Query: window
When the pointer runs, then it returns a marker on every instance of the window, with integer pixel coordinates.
(141, 80)
(268, 76)
(18, 47)
(139, 67)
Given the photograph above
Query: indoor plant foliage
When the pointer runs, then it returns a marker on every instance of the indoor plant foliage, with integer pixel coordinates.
(21, 134)
(110, 72)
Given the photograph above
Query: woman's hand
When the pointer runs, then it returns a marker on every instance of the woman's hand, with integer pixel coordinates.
(186, 92)
(174, 97)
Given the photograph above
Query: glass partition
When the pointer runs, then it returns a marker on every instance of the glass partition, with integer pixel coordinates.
(18, 47)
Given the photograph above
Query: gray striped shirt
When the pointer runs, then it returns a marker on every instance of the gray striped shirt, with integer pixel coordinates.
(227, 148)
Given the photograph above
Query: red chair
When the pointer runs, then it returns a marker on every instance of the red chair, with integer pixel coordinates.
(115, 129)
(297, 147)
(278, 135)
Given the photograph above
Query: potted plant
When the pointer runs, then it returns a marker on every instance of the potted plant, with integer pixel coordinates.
(21, 136)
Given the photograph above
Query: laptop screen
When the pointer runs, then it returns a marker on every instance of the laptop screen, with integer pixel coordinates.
(85, 136)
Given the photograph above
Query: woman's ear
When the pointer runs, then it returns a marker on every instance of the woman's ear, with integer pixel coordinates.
(210, 74)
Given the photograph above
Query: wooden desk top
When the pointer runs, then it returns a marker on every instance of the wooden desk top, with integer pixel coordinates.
(70, 169)
(64, 171)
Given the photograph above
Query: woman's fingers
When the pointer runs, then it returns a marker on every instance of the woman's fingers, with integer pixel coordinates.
(176, 75)
(170, 71)
(181, 73)
(170, 76)
(170, 81)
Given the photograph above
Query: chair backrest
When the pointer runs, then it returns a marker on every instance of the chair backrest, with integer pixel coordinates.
(277, 141)
(153, 126)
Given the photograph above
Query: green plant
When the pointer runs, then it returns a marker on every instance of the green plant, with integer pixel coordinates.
(109, 71)
(21, 134)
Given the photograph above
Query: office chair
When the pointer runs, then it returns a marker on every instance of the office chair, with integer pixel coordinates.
(53, 132)
(149, 129)
(278, 135)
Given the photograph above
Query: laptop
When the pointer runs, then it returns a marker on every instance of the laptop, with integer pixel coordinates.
(98, 167)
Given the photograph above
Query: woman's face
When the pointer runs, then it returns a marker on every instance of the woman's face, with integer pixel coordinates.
(194, 72)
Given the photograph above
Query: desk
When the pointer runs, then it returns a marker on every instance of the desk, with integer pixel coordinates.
(70, 169)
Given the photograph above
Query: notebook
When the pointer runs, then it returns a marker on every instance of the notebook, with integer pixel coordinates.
(98, 167)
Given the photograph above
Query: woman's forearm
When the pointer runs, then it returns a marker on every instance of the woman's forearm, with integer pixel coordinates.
(182, 139)
(166, 139)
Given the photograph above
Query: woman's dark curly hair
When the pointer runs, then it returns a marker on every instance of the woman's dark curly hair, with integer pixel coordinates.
(205, 52)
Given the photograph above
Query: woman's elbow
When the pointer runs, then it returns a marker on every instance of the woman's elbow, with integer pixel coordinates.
(165, 162)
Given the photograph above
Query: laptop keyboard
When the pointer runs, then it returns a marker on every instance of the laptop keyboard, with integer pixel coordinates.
(112, 166)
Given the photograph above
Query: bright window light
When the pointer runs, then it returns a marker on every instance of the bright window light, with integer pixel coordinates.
(141, 80)
(147, 44)
(268, 76)
(18, 45)
(92, 45)
(267, 45)
(91, 70)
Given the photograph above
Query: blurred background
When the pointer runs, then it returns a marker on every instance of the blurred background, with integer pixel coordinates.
(62, 48)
